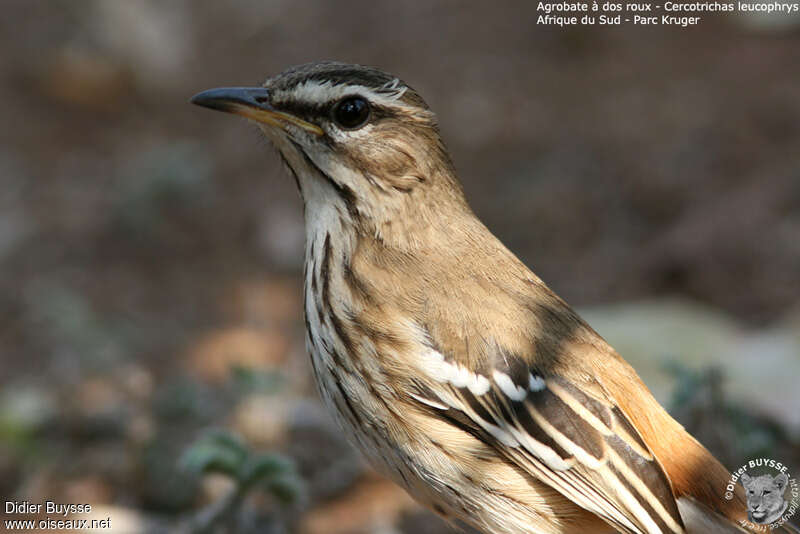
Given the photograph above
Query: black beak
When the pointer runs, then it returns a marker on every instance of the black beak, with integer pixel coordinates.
(252, 103)
(228, 98)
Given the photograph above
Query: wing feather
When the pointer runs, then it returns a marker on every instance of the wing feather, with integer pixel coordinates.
(577, 441)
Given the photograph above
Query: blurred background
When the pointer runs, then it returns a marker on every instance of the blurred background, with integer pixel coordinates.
(152, 360)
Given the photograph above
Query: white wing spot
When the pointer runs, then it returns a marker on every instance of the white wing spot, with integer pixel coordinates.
(498, 433)
(508, 387)
(439, 369)
(479, 385)
(457, 375)
(461, 377)
(537, 383)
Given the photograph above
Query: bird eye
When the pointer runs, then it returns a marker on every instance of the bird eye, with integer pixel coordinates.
(351, 112)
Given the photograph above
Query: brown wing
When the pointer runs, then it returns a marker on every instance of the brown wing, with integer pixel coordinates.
(574, 438)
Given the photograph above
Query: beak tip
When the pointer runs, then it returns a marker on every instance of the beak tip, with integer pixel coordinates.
(206, 99)
(224, 98)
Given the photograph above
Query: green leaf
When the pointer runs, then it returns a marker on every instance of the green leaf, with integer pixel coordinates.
(266, 467)
(218, 451)
(286, 489)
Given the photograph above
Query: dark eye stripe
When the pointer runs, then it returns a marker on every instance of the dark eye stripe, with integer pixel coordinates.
(319, 113)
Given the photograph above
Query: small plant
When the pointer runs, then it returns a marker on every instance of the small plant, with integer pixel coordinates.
(225, 453)
(732, 430)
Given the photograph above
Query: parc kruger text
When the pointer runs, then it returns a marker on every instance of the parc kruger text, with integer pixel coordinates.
(617, 20)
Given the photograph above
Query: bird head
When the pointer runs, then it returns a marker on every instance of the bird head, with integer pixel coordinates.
(352, 136)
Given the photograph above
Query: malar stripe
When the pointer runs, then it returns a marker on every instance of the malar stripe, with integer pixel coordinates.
(345, 193)
(293, 173)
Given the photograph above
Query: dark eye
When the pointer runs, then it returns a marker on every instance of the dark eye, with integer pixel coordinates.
(351, 112)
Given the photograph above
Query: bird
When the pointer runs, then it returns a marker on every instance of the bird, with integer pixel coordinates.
(454, 369)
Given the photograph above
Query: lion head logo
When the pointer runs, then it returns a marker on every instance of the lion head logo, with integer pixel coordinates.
(765, 502)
